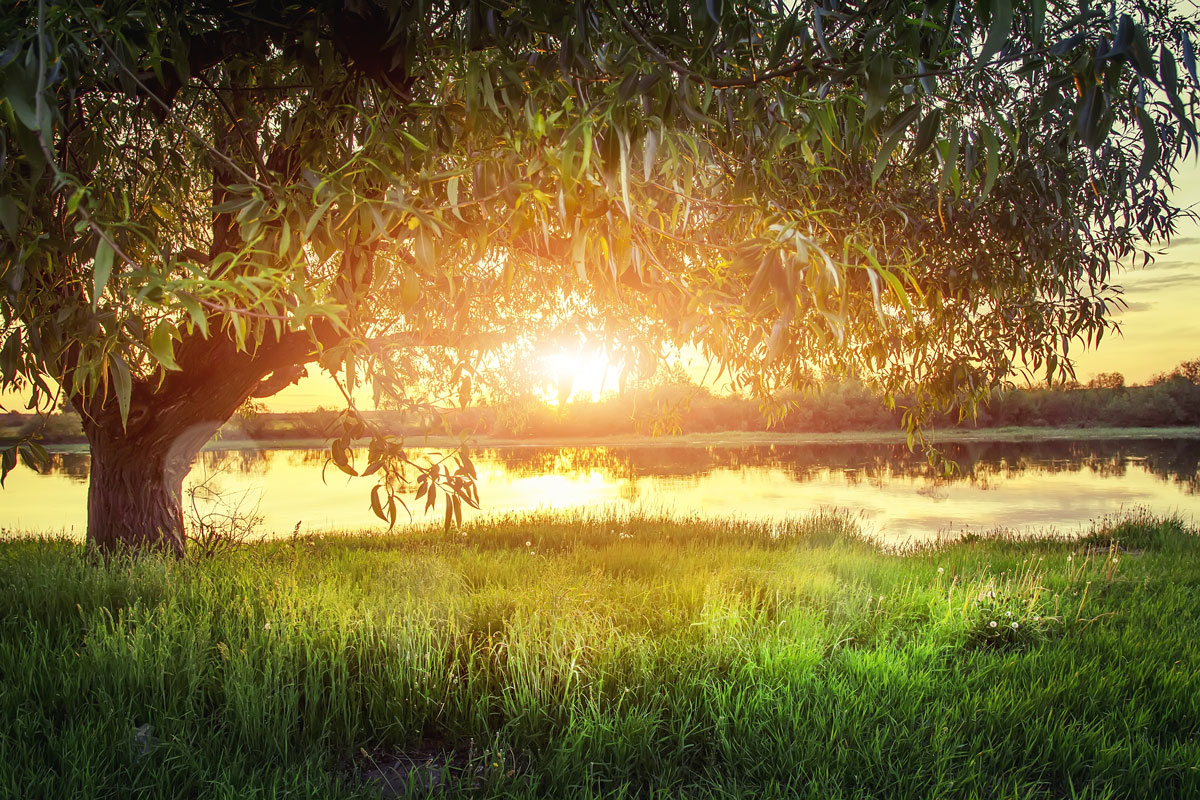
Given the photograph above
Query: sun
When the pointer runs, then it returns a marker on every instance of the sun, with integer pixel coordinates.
(575, 374)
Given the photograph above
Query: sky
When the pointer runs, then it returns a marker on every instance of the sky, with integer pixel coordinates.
(1159, 329)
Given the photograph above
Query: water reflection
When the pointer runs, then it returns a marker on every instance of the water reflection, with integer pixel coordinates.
(1005, 484)
(1175, 460)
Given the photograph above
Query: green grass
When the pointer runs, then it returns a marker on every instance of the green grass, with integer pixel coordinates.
(609, 658)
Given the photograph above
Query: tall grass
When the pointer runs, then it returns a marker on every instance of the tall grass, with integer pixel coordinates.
(585, 656)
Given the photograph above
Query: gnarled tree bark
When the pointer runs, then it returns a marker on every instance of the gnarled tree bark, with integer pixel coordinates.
(136, 488)
(138, 465)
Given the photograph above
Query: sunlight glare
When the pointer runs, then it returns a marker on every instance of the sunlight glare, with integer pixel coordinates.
(577, 375)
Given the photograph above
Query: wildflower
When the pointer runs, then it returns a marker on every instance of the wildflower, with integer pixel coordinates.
(267, 627)
(1015, 626)
(1036, 617)
(529, 544)
(1070, 557)
(941, 570)
(992, 624)
(1008, 613)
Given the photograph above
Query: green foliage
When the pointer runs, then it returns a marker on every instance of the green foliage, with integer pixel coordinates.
(837, 408)
(1107, 380)
(602, 657)
(927, 199)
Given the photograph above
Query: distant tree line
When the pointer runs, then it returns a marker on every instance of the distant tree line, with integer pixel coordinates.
(671, 403)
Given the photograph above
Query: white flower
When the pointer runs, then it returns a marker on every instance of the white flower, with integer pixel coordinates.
(267, 627)
(941, 570)
(1008, 613)
(1036, 617)
(1070, 557)
(1015, 626)
(529, 544)
(992, 624)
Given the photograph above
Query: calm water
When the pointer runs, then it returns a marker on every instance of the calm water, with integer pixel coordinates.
(1021, 486)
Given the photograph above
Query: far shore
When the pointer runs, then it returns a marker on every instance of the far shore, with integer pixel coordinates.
(727, 439)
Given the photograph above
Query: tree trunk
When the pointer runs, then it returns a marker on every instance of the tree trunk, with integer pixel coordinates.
(135, 497)
(136, 489)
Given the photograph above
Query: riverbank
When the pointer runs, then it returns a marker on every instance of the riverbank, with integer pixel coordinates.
(577, 656)
(725, 439)
(753, 438)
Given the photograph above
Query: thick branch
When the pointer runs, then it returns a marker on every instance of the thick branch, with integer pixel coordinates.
(279, 380)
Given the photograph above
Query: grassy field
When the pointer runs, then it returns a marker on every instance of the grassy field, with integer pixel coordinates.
(584, 657)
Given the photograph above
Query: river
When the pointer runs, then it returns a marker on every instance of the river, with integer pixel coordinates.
(1019, 486)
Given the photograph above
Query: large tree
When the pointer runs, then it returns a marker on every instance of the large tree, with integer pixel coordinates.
(200, 198)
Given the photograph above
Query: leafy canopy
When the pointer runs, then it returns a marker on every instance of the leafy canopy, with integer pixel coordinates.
(928, 196)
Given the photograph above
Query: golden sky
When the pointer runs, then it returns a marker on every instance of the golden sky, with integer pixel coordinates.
(1159, 329)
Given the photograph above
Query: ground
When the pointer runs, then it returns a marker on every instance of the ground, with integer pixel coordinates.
(603, 657)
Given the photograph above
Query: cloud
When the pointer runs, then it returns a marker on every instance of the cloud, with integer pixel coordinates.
(1161, 263)
(1137, 305)
(1156, 281)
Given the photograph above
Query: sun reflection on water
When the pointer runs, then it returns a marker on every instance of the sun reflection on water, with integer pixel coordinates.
(1016, 486)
